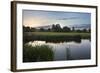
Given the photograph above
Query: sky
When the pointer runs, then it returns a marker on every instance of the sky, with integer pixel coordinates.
(36, 18)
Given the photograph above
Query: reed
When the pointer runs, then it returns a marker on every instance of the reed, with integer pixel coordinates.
(37, 53)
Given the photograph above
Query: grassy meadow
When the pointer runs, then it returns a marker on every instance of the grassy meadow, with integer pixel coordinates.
(82, 34)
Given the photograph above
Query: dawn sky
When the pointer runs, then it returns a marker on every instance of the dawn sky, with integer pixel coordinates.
(35, 18)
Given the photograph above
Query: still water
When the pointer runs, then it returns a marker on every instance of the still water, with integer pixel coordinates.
(68, 50)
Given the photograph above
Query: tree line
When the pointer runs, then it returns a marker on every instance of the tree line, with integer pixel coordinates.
(55, 28)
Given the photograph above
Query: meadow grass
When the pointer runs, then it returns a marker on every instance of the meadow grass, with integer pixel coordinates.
(82, 34)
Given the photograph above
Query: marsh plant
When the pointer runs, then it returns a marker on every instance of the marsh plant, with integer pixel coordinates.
(37, 53)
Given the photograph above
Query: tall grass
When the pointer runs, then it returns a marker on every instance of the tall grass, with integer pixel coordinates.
(37, 53)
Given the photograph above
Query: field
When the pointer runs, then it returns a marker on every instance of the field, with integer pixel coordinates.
(55, 36)
(58, 34)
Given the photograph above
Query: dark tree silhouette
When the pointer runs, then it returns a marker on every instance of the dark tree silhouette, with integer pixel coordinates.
(84, 30)
(42, 29)
(26, 29)
(49, 29)
(58, 28)
(53, 27)
(73, 28)
(78, 30)
(89, 30)
(32, 29)
(66, 29)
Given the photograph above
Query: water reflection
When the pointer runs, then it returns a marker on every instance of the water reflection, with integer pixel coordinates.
(68, 50)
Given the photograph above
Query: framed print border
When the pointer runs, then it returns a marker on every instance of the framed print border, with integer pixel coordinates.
(14, 34)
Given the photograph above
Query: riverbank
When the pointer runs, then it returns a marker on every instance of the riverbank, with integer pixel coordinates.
(55, 36)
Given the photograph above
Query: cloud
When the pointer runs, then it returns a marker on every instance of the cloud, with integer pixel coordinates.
(71, 18)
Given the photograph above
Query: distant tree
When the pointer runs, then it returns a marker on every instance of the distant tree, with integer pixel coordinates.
(42, 29)
(26, 29)
(66, 29)
(49, 29)
(53, 27)
(73, 28)
(32, 29)
(58, 28)
(78, 30)
(84, 30)
(89, 30)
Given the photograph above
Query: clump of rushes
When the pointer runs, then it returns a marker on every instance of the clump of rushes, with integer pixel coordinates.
(37, 53)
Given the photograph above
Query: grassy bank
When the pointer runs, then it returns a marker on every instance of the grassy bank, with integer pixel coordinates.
(37, 53)
(83, 35)
(55, 36)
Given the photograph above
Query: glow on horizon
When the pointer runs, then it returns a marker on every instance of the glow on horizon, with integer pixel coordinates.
(35, 18)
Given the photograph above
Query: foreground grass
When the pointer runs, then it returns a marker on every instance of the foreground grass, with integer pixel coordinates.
(37, 53)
